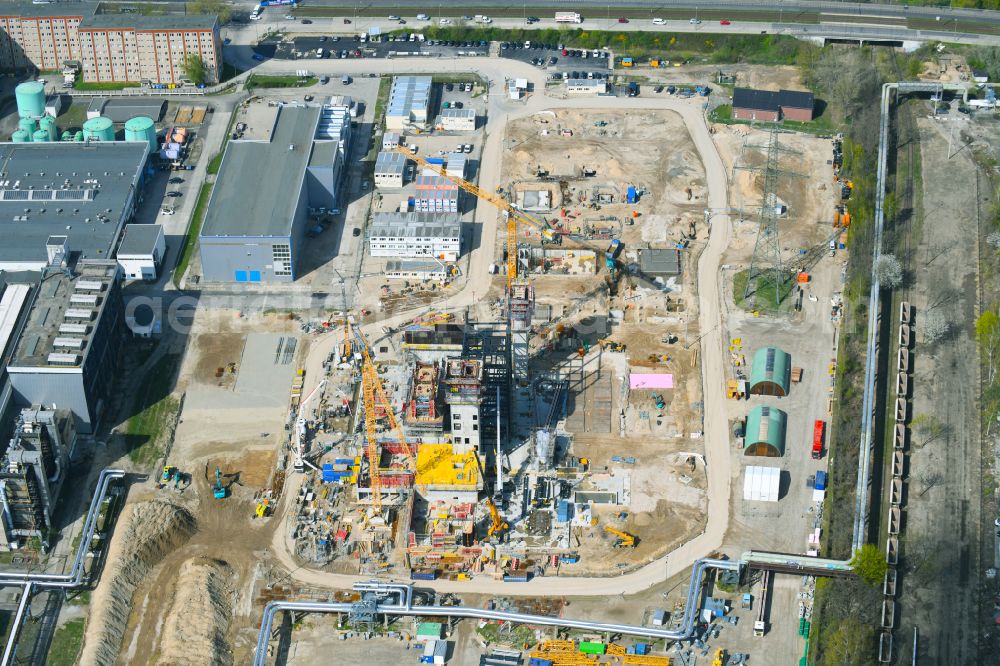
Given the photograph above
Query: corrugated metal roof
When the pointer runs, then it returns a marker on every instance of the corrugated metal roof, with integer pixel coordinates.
(409, 95)
(766, 425)
(771, 364)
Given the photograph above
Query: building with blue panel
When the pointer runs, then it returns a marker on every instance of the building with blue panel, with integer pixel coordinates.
(268, 182)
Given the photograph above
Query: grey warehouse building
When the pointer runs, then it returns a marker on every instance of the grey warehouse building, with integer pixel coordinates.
(86, 192)
(69, 348)
(258, 213)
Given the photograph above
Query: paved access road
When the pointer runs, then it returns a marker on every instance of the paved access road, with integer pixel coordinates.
(501, 111)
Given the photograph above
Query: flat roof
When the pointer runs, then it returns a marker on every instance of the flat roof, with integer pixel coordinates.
(415, 225)
(136, 21)
(11, 305)
(771, 100)
(390, 161)
(458, 113)
(30, 10)
(259, 182)
(407, 94)
(63, 317)
(324, 154)
(79, 190)
(121, 109)
(413, 266)
(140, 239)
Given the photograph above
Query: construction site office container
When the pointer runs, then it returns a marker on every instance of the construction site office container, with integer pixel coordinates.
(588, 647)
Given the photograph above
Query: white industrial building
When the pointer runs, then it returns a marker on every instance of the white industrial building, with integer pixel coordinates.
(390, 140)
(761, 484)
(141, 251)
(415, 235)
(586, 86)
(389, 169)
(415, 270)
(457, 120)
(409, 102)
(517, 88)
(455, 165)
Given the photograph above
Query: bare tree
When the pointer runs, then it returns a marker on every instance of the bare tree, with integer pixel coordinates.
(928, 427)
(889, 271)
(935, 326)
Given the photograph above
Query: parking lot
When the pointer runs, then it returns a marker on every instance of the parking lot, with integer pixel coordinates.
(323, 46)
(559, 60)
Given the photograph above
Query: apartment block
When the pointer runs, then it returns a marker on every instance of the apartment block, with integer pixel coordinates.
(124, 47)
(109, 47)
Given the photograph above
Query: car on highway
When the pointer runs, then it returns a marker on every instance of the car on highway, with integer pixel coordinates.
(423, 17)
(622, 19)
(306, 22)
(175, 180)
(174, 194)
(659, 21)
(695, 21)
(724, 22)
(532, 19)
(393, 17)
(444, 21)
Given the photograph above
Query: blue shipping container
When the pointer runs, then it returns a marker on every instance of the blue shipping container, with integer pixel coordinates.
(538, 661)
(327, 473)
(434, 160)
(631, 196)
(821, 480)
(423, 575)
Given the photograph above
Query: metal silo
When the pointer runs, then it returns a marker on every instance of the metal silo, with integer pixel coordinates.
(20, 136)
(40, 136)
(30, 97)
(99, 129)
(78, 136)
(66, 136)
(142, 128)
(48, 123)
(28, 125)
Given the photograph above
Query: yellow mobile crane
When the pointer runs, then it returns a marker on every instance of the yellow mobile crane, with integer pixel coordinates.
(498, 524)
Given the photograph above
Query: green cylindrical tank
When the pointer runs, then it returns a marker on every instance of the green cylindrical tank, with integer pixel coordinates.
(40, 136)
(99, 129)
(141, 128)
(48, 123)
(27, 124)
(66, 136)
(30, 97)
(78, 136)
(20, 136)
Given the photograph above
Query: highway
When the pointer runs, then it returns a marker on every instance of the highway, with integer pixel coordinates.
(803, 19)
(501, 111)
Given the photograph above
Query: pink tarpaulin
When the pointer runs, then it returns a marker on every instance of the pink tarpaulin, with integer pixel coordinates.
(651, 381)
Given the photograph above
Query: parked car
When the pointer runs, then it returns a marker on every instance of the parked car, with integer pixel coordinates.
(355, 232)
(323, 38)
(166, 211)
(449, 87)
(324, 80)
(174, 194)
(456, 105)
(467, 148)
(175, 180)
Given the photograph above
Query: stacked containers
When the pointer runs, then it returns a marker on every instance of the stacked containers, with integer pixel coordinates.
(48, 124)
(142, 129)
(99, 129)
(30, 97)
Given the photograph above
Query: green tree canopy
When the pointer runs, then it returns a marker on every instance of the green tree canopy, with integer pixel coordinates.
(194, 68)
(869, 564)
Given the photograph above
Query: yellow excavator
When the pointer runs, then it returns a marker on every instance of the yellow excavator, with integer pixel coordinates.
(499, 524)
(624, 540)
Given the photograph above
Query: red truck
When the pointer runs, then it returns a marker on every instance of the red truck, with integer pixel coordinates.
(817, 448)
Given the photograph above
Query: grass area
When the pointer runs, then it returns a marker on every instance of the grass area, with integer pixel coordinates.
(104, 85)
(66, 644)
(152, 409)
(822, 124)
(78, 598)
(381, 100)
(194, 229)
(73, 117)
(215, 163)
(290, 81)
(762, 296)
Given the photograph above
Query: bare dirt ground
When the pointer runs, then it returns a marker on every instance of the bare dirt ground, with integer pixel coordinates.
(943, 528)
(183, 564)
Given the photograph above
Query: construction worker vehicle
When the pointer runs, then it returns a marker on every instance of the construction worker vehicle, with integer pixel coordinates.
(624, 539)
(611, 345)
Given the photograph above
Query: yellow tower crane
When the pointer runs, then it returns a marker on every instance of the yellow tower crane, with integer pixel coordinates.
(513, 214)
(373, 391)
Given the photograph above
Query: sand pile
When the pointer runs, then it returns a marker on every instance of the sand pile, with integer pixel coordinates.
(195, 629)
(146, 532)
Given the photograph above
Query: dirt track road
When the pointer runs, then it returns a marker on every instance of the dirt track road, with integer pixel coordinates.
(501, 111)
